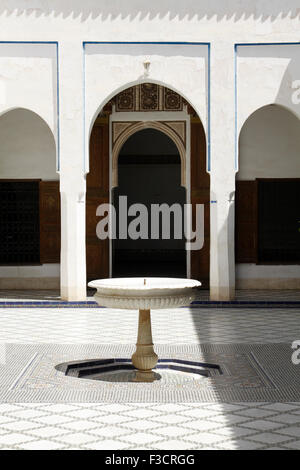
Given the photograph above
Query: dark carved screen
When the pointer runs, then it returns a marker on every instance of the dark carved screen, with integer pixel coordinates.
(279, 221)
(19, 222)
(148, 97)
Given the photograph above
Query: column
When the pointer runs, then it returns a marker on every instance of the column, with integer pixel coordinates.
(72, 178)
(222, 176)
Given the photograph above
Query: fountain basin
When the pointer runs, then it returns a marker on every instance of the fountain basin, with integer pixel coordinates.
(145, 293)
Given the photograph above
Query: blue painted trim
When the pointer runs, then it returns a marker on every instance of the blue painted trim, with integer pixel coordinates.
(149, 42)
(28, 42)
(245, 44)
(266, 44)
(236, 163)
(184, 43)
(58, 108)
(208, 109)
(57, 88)
(86, 163)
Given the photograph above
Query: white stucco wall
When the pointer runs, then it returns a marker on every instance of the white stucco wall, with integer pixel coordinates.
(27, 147)
(28, 79)
(180, 67)
(263, 74)
(269, 145)
(45, 276)
(252, 276)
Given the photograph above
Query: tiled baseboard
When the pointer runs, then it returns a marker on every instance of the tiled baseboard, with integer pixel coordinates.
(32, 283)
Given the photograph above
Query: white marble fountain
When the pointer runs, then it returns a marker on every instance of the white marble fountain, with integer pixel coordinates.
(144, 294)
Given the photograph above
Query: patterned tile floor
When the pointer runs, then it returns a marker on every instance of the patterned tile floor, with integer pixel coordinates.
(150, 426)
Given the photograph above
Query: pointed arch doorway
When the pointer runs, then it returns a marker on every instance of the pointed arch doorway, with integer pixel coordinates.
(149, 174)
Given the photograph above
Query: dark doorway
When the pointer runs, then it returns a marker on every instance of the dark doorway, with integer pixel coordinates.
(149, 172)
(19, 222)
(279, 221)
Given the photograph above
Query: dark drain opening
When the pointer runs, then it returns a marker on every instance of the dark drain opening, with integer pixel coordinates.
(85, 369)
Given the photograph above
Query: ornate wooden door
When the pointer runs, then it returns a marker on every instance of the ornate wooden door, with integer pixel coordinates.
(246, 221)
(200, 194)
(49, 222)
(97, 251)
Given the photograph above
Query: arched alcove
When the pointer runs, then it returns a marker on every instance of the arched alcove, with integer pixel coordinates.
(30, 202)
(27, 146)
(162, 128)
(267, 200)
(269, 144)
(149, 172)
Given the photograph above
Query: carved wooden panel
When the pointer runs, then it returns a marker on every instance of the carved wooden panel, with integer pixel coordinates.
(97, 251)
(148, 97)
(246, 221)
(200, 194)
(175, 130)
(49, 222)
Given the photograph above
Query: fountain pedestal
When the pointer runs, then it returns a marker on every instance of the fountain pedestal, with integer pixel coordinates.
(144, 294)
(144, 358)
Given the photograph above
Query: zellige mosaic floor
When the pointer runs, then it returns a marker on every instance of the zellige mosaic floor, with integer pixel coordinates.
(210, 425)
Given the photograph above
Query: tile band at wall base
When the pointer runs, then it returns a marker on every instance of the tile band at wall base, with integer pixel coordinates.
(32, 283)
(268, 283)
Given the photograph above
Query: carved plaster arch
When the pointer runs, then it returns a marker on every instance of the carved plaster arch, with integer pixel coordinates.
(134, 127)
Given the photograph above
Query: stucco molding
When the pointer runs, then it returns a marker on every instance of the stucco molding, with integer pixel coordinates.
(176, 134)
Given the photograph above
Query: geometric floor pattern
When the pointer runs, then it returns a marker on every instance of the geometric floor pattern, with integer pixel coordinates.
(170, 326)
(152, 426)
(248, 372)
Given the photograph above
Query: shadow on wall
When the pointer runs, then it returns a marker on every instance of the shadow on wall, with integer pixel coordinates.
(140, 9)
(285, 56)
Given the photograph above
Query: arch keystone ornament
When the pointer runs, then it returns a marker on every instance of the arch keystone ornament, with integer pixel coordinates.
(146, 65)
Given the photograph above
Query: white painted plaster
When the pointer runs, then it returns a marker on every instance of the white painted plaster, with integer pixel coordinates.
(45, 276)
(264, 75)
(27, 147)
(28, 75)
(180, 67)
(44, 270)
(269, 145)
(252, 276)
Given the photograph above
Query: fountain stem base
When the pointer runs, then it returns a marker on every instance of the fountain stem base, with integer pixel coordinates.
(146, 376)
